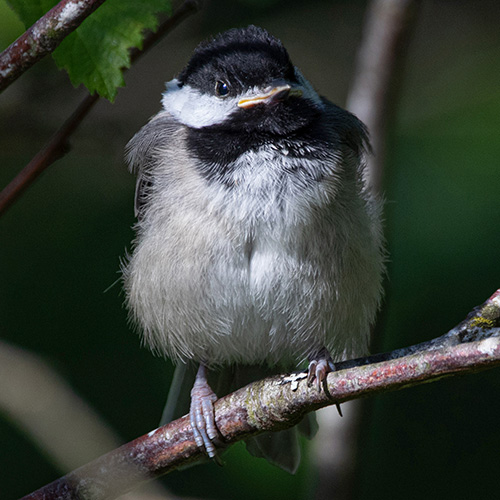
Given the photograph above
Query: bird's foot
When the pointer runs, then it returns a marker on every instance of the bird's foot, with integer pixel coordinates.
(201, 413)
(319, 367)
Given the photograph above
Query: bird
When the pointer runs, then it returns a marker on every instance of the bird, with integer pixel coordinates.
(258, 244)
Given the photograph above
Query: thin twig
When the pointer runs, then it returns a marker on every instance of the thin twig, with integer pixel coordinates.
(279, 402)
(374, 89)
(43, 37)
(187, 8)
(56, 148)
(58, 144)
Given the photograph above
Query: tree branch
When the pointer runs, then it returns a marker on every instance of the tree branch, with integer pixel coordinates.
(280, 402)
(56, 148)
(375, 85)
(58, 144)
(43, 37)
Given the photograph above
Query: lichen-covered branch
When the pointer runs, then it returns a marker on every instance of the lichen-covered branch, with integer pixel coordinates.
(43, 37)
(279, 402)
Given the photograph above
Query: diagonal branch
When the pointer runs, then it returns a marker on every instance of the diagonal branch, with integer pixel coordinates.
(58, 144)
(56, 148)
(43, 37)
(280, 402)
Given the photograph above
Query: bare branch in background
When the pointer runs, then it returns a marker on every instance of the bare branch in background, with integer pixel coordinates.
(374, 89)
(43, 38)
(56, 148)
(58, 144)
(373, 98)
(41, 404)
(279, 402)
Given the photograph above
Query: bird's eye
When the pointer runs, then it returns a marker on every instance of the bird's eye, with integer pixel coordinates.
(221, 89)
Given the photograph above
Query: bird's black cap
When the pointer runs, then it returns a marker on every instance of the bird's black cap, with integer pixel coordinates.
(242, 58)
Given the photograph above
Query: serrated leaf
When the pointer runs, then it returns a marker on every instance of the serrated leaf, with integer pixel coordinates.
(98, 51)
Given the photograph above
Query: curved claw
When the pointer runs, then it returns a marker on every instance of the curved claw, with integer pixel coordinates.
(201, 413)
(319, 367)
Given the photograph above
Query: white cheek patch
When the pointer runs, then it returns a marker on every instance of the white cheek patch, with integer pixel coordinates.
(194, 109)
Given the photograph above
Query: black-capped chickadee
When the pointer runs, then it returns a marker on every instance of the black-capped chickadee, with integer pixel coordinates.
(258, 243)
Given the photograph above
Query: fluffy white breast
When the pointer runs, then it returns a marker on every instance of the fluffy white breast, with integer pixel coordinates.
(271, 189)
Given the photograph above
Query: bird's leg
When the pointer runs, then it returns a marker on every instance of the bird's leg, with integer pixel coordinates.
(202, 414)
(320, 366)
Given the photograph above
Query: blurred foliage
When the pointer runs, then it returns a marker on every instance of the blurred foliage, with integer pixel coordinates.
(30, 11)
(10, 25)
(61, 244)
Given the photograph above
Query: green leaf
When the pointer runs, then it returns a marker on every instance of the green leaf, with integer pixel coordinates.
(98, 51)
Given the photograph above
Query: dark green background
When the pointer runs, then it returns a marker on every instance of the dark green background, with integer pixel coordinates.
(60, 247)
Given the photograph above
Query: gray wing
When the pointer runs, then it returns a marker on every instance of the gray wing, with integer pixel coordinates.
(143, 152)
